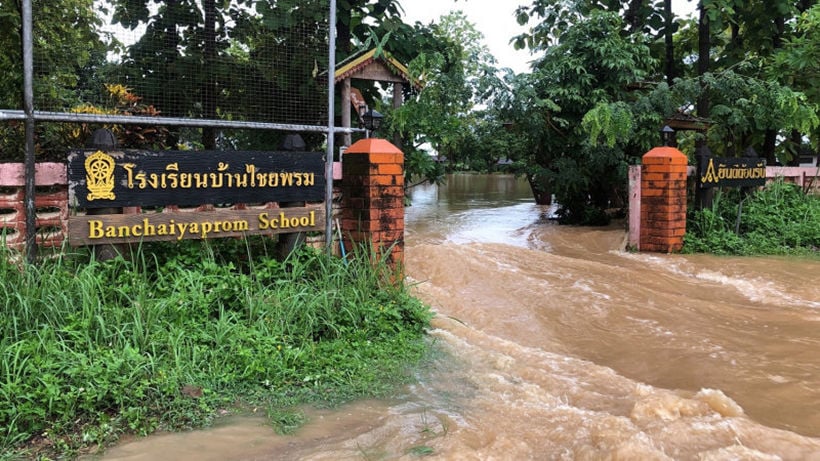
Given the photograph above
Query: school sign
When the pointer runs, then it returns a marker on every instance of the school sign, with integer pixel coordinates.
(732, 172)
(99, 179)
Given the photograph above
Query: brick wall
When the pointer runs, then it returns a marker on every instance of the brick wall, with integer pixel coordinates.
(51, 203)
(373, 197)
(663, 200)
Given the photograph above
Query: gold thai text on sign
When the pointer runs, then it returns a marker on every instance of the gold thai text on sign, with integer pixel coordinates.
(733, 172)
(173, 178)
(145, 178)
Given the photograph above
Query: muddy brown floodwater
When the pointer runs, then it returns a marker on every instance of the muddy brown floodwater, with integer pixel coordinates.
(554, 343)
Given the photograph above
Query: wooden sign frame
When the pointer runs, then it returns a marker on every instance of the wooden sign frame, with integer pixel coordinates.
(114, 179)
(151, 227)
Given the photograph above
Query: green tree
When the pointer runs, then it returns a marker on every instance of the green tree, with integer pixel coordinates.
(276, 56)
(257, 60)
(180, 62)
(652, 18)
(58, 26)
(797, 63)
(581, 83)
(456, 70)
(63, 70)
(738, 42)
(355, 19)
(597, 96)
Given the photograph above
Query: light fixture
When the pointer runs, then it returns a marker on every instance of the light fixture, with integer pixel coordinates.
(372, 120)
(668, 137)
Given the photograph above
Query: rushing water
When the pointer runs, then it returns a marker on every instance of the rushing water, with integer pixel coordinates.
(556, 344)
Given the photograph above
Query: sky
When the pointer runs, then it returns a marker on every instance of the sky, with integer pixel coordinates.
(496, 20)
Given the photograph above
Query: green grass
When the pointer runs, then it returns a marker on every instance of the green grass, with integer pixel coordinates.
(777, 220)
(90, 350)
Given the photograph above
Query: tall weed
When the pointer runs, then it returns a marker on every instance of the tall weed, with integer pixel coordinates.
(778, 219)
(91, 349)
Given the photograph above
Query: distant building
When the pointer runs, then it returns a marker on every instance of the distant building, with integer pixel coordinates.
(809, 157)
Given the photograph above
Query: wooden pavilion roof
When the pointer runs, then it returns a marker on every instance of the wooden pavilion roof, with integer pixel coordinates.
(685, 122)
(374, 65)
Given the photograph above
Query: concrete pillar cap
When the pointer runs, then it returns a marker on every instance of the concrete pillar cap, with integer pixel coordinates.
(676, 157)
(373, 146)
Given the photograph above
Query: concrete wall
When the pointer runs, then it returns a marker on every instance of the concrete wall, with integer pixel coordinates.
(51, 202)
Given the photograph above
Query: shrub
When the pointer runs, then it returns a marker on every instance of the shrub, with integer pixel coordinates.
(778, 219)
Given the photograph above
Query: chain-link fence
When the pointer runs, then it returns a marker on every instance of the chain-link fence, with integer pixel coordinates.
(200, 69)
(163, 75)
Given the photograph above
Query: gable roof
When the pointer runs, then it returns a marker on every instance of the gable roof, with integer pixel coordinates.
(385, 66)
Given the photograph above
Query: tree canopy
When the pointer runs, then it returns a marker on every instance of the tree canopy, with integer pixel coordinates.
(607, 75)
(611, 72)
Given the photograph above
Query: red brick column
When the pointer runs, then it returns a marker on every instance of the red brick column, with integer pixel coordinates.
(373, 197)
(663, 200)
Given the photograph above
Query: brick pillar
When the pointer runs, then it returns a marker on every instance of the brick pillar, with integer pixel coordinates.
(663, 200)
(373, 197)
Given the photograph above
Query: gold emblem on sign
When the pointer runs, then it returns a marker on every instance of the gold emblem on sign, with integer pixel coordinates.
(99, 175)
(710, 176)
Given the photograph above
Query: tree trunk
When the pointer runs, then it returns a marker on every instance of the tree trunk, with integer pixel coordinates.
(631, 16)
(770, 136)
(703, 197)
(540, 191)
(343, 33)
(670, 46)
(704, 48)
(804, 5)
(797, 142)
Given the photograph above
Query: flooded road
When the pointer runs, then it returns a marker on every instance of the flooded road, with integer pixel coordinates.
(556, 344)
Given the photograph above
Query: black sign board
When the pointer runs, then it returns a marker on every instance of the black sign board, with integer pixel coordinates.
(732, 172)
(101, 179)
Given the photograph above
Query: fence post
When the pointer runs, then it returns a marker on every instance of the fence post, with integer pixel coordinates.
(663, 200)
(634, 234)
(373, 197)
(287, 243)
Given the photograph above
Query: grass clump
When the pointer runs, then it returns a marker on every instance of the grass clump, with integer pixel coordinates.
(90, 349)
(778, 219)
